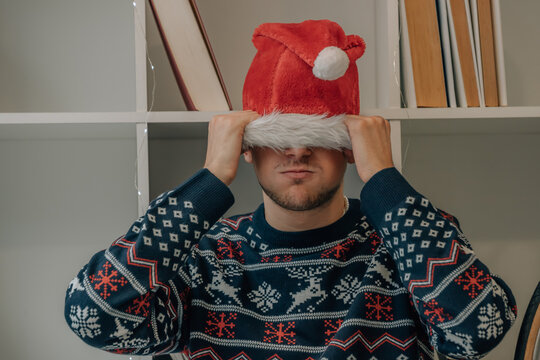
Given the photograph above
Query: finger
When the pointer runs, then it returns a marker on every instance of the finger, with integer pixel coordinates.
(251, 115)
(349, 155)
(385, 122)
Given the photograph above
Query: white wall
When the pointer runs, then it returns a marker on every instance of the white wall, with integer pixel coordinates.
(521, 34)
(67, 55)
(67, 192)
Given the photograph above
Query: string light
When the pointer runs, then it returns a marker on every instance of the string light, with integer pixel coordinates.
(396, 79)
(144, 140)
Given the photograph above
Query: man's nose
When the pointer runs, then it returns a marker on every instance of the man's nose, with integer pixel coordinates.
(298, 152)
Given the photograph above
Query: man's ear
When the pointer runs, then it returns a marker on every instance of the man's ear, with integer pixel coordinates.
(248, 156)
(349, 155)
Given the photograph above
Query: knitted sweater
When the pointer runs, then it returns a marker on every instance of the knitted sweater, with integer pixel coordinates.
(393, 278)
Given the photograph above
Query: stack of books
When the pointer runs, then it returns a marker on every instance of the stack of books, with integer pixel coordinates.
(190, 55)
(452, 53)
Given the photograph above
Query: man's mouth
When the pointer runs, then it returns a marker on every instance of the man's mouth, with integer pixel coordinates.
(297, 170)
(297, 173)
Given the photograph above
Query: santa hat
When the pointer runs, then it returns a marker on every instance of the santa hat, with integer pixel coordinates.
(302, 81)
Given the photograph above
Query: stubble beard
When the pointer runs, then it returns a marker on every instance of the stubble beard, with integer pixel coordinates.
(311, 202)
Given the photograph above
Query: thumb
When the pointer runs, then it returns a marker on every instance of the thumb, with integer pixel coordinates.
(349, 155)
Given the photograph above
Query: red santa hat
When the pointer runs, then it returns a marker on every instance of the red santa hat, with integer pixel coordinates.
(302, 81)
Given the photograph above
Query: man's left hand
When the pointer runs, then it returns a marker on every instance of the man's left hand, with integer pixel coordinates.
(371, 145)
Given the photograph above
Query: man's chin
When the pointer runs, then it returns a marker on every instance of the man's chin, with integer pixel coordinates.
(296, 205)
(300, 199)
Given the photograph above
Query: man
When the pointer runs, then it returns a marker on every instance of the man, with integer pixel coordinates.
(310, 274)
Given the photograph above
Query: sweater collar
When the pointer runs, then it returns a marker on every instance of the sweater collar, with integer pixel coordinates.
(308, 238)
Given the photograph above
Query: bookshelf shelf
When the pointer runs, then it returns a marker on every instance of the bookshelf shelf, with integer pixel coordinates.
(390, 114)
(525, 112)
(472, 113)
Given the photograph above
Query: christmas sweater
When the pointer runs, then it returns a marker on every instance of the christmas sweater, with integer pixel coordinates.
(393, 278)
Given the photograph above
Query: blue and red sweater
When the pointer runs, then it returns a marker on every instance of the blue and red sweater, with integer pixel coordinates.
(393, 278)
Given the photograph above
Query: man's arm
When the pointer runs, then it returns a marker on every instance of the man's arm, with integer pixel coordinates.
(134, 296)
(129, 298)
(466, 310)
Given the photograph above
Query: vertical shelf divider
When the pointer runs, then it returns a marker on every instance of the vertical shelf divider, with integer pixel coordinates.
(388, 69)
(141, 105)
(395, 138)
(387, 54)
(143, 176)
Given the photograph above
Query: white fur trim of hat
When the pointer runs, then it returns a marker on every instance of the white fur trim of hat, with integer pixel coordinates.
(280, 131)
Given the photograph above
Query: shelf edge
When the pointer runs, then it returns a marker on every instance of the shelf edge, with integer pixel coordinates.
(205, 116)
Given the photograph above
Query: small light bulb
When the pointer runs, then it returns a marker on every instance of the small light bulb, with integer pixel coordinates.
(139, 195)
(134, 4)
(152, 67)
(145, 130)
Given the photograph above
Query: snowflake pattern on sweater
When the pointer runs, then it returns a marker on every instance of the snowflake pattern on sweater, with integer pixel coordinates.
(394, 278)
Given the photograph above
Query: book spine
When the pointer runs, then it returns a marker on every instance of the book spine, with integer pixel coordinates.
(210, 51)
(489, 68)
(499, 56)
(458, 75)
(179, 80)
(426, 54)
(447, 53)
(477, 54)
(463, 32)
(407, 74)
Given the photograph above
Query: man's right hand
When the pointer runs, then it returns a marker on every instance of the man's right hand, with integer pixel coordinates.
(225, 134)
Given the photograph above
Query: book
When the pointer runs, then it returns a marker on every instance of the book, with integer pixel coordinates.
(499, 56)
(487, 49)
(447, 53)
(407, 80)
(190, 55)
(423, 76)
(473, 6)
(461, 38)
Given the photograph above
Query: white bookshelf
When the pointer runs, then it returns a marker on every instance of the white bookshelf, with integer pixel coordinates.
(167, 146)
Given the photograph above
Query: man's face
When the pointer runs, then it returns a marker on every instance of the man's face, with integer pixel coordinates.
(298, 178)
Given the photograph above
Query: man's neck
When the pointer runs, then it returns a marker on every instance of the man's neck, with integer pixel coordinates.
(289, 220)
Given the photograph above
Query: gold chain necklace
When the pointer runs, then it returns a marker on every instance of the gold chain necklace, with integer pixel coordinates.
(346, 207)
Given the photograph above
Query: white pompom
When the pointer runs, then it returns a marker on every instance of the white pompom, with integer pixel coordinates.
(331, 63)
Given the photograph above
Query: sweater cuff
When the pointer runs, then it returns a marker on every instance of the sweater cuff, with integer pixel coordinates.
(209, 195)
(386, 189)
